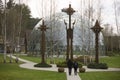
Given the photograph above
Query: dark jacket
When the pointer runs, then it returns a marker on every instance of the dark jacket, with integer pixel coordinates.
(69, 63)
(75, 64)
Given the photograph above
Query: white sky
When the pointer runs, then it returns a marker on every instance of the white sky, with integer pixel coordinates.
(36, 9)
(107, 11)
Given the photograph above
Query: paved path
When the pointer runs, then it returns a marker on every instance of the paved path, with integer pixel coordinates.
(94, 70)
(30, 65)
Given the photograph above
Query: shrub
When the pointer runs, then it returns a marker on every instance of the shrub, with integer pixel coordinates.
(64, 64)
(97, 66)
(113, 53)
(80, 65)
(110, 53)
(60, 69)
(83, 58)
(81, 70)
(42, 65)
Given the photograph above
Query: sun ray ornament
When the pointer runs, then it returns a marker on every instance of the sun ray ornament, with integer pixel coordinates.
(69, 32)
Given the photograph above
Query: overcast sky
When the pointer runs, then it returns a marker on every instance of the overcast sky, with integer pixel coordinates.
(107, 7)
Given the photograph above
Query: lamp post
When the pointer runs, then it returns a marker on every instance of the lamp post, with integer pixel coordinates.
(43, 43)
(96, 29)
(69, 31)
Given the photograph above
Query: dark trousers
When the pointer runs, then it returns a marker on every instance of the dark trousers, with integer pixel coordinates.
(75, 71)
(70, 70)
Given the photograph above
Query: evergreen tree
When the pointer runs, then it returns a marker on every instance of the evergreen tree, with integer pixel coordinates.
(1, 15)
(1, 4)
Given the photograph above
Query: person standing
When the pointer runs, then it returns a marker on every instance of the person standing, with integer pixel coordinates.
(75, 66)
(70, 65)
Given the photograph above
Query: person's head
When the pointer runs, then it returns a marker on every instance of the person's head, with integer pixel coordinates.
(69, 60)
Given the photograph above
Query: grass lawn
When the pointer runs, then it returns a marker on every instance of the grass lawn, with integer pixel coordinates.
(14, 72)
(100, 76)
(30, 58)
(113, 61)
(38, 59)
(2, 58)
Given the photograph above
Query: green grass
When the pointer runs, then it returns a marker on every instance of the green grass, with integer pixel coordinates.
(38, 59)
(7, 59)
(33, 59)
(113, 61)
(2, 58)
(100, 76)
(14, 72)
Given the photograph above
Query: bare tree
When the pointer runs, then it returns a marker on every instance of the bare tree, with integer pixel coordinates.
(5, 46)
(116, 16)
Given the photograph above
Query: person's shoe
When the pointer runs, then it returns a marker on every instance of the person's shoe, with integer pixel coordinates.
(75, 73)
(69, 74)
